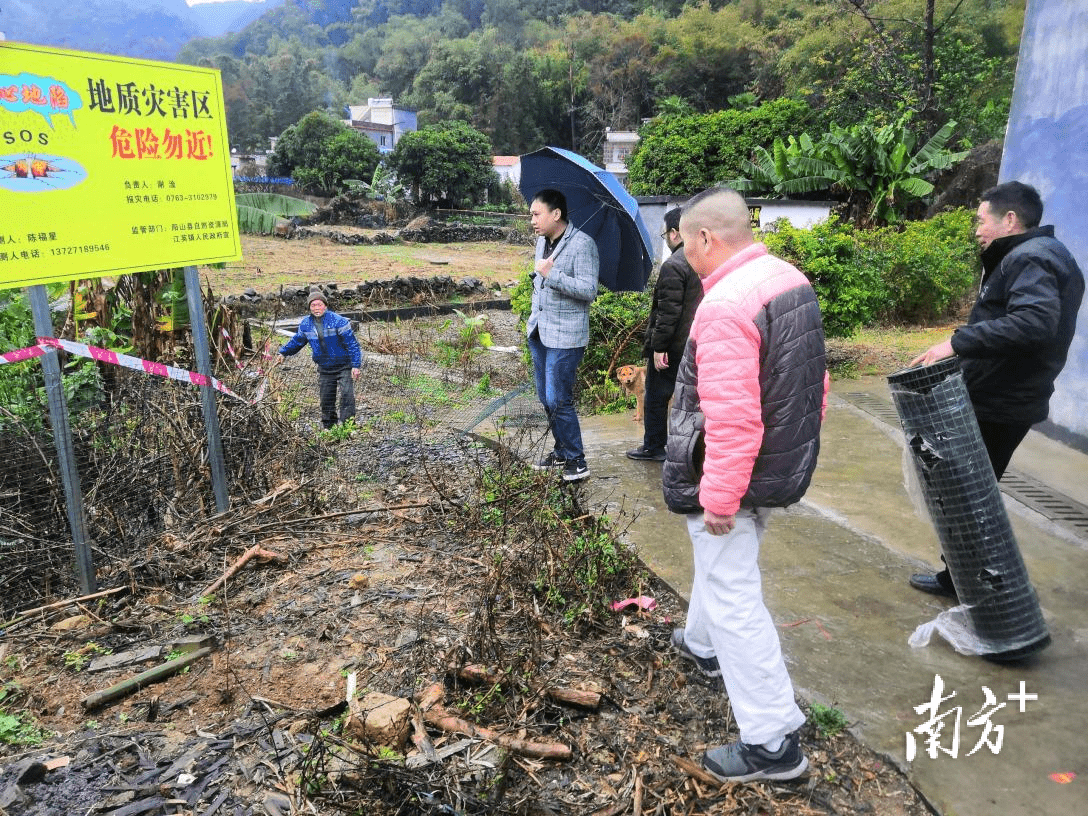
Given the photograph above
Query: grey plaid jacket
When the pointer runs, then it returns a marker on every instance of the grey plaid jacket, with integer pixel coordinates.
(561, 301)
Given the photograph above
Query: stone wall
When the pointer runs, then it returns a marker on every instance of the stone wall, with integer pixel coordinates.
(426, 230)
(344, 235)
(361, 297)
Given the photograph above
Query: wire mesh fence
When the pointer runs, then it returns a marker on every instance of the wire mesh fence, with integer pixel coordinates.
(142, 459)
(142, 462)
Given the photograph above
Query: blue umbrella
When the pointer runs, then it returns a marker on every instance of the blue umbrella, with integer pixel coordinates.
(600, 207)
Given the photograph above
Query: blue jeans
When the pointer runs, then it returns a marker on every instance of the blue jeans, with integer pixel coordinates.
(554, 371)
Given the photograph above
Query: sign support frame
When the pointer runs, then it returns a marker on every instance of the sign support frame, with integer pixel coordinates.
(62, 439)
(199, 331)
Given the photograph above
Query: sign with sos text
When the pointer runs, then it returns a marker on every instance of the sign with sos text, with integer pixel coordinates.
(110, 166)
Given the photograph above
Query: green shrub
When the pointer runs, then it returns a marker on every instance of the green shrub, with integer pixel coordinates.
(549, 552)
(915, 273)
(684, 154)
(17, 726)
(20, 383)
(617, 327)
(828, 720)
(848, 284)
(929, 268)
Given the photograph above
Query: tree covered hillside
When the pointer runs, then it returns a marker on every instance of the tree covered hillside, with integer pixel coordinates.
(148, 29)
(528, 73)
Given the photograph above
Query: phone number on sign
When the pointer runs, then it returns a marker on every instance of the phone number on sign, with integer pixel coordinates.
(194, 197)
(79, 250)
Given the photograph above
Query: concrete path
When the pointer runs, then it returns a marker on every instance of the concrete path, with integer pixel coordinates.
(835, 576)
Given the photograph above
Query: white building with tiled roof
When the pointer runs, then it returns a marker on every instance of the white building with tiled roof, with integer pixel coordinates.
(382, 121)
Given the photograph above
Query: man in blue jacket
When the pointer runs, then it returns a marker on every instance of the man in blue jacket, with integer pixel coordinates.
(337, 354)
(1017, 337)
(564, 285)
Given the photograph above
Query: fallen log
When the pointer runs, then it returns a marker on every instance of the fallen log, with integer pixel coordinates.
(440, 718)
(384, 508)
(125, 687)
(428, 701)
(256, 551)
(420, 739)
(479, 674)
(615, 809)
(26, 613)
(582, 698)
(575, 697)
(430, 696)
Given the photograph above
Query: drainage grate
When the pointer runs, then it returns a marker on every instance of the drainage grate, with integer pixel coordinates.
(1064, 511)
(875, 406)
(1059, 508)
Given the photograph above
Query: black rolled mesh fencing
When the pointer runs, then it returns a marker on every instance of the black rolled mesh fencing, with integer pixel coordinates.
(966, 507)
(37, 558)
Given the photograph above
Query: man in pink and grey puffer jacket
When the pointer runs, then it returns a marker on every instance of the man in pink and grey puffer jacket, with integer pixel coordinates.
(743, 438)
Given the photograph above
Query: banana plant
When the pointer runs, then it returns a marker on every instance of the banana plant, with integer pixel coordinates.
(881, 166)
(789, 168)
(259, 213)
(878, 169)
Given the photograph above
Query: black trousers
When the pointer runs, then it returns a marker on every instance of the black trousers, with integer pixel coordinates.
(655, 408)
(327, 384)
(1001, 441)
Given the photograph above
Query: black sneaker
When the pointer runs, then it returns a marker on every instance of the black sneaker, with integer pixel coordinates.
(707, 665)
(642, 455)
(575, 470)
(740, 762)
(552, 460)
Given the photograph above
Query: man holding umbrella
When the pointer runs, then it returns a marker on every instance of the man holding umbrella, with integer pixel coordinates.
(565, 277)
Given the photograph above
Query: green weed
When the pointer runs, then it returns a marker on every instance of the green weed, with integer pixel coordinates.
(481, 700)
(17, 728)
(339, 432)
(828, 720)
(78, 659)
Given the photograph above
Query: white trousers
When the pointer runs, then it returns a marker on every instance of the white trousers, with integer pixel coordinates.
(728, 619)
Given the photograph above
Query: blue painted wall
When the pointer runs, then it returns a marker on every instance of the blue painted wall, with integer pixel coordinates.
(1046, 145)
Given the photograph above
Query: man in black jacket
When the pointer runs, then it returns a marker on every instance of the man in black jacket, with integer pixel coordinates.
(676, 296)
(1018, 334)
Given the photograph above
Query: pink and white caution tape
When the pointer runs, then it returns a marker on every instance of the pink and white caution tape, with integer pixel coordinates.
(263, 387)
(113, 358)
(230, 348)
(17, 356)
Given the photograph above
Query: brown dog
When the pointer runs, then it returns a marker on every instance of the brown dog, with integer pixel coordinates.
(633, 381)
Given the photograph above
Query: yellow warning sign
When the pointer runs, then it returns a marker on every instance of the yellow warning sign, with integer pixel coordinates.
(110, 166)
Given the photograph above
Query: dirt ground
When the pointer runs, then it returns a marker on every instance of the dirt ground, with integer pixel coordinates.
(270, 262)
(385, 583)
(392, 598)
